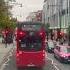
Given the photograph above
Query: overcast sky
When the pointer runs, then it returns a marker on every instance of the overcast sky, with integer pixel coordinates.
(27, 7)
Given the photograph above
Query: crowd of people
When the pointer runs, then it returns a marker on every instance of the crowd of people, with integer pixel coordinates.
(7, 36)
(58, 36)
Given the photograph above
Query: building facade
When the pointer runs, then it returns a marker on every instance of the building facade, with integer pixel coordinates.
(57, 13)
(31, 16)
(35, 16)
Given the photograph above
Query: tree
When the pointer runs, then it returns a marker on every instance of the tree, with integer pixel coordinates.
(5, 16)
(3, 13)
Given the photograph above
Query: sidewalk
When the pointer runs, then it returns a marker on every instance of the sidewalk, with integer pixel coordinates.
(0, 39)
(4, 52)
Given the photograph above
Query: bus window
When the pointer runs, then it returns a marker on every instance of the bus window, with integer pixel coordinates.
(32, 43)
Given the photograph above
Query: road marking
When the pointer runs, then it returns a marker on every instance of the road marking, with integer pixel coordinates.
(54, 64)
(56, 67)
(6, 62)
(48, 58)
(2, 68)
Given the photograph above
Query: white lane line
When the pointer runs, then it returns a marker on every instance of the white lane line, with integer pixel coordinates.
(56, 67)
(54, 64)
(2, 68)
(6, 63)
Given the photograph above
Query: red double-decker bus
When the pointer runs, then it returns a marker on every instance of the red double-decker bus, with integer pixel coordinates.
(30, 38)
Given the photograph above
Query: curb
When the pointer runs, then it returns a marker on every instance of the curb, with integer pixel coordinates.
(5, 57)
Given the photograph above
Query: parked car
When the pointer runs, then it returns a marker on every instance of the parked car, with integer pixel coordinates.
(50, 46)
(62, 53)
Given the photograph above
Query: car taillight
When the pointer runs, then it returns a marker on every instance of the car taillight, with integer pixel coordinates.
(64, 55)
(18, 53)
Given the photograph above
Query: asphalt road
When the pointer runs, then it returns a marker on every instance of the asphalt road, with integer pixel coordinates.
(61, 66)
(11, 65)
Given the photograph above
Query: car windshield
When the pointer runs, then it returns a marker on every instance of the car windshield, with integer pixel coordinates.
(51, 44)
(31, 43)
(65, 50)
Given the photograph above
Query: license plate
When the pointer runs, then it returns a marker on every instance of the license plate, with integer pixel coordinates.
(30, 65)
